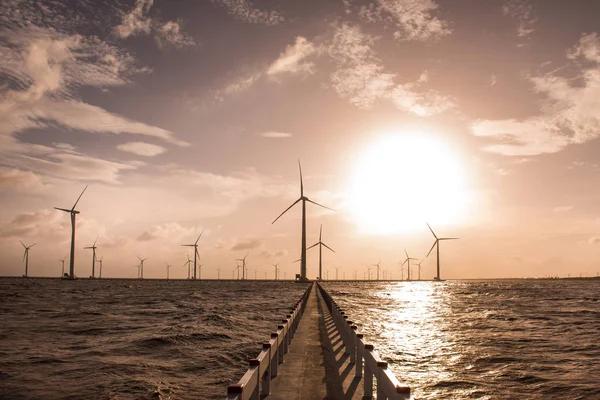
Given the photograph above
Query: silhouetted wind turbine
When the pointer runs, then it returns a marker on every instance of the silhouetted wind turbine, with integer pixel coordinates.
(419, 265)
(142, 266)
(302, 199)
(63, 266)
(26, 257)
(100, 262)
(73, 214)
(320, 244)
(196, 254)
(375, 265)
(336, 272)
(168, 268)
(188, 262)
(436, 243)
(93, 247)
(243, 260)
(276, 269)
(408, 261)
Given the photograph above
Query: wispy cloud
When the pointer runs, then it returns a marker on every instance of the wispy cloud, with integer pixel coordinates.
(142, 149)
(361, 77)
(138, 22)
(415, 19)
(247, 244)
(276, 135)
(15, 179)
(570, 113)
(245, 10)
(292, 59)
(171, 231)
(520, 10)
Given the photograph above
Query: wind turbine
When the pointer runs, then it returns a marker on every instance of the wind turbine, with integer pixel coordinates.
(188, 262)
(375, 265)
(63, 267)
(93, 247)
(436, 243)
(199, 271)
(100, 262)
(408, 261)
(73, 212)
(26, 257)
(142, 266)
(168, 268)
(243, 260)
(320, 244)
(276, 269)
(337, 269)
(138, 267)
(419, 265)
(196, 255)
(302, 199)
(355, 272)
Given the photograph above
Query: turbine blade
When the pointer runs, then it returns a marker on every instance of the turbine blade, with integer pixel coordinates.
(187, 245)
(297, 260)
(405, 261)
(139, 258)
(23, 244)
(405, 252)
(286, 210)
(198, 254)
(301, 183)
(320, 232)
(448, 238)
(199, 237)
(62, 209)
(433, 233)
(25, 253)
(432, 246)
(95, 241)
(320, 205)
(328, 247)
(308, 248)
(74, 205)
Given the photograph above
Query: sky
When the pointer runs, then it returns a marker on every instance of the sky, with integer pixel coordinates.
(480, 118)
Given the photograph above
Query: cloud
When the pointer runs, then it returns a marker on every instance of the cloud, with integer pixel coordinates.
(172, 231)
(521, 11)
(138, 22)
(276, 135)
(570, 112)
(594, 240)
(291, 60)
(40, 223)
(361, 78)
(142, 149)
(247, 244)
(245, 11)
(15, 179)
(562, 208)
(414, 18)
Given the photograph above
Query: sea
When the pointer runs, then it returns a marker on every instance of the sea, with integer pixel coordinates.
(506, 339)
(158, 339)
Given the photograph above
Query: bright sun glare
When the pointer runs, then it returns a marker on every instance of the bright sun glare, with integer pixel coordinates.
(403, 180)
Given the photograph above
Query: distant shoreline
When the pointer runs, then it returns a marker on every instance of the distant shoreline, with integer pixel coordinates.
(290, 280)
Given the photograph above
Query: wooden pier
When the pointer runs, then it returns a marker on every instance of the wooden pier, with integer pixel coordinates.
(317, 354)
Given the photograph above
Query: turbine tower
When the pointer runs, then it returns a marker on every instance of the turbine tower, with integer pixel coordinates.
(26, 257)
(188, 262)
(63, 266)
(196, 255)
(243, 260)
(302, 199)
(408, 261)
(276, 269)
(142, 266)
(93, 248)
(320, 244)
(419, 265)
(73, 212)
(436, 244)
(168, 268)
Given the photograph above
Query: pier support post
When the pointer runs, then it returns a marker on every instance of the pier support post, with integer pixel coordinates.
(359, 355)
(368, 378)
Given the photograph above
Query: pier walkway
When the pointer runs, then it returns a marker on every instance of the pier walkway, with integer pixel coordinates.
(326, 359)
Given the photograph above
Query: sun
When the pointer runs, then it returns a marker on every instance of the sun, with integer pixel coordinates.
(405, 179)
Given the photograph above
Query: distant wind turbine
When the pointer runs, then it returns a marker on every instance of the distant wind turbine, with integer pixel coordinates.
(100, 262)
(302, 199)
(418, 264)
(337, 269)
(26, 257)
(196, 254)
(276, 269)
(408, 259)
(243, 260)
(436, 244)
(73, 214)
(188, 262)
(375, 265)
(63, 266)
(168, 268)
(320, 244)
(142, 266)
(93, 248)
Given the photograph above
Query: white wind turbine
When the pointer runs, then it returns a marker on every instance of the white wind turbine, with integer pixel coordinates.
(142, 266)
(436, 244)
(408, 259)
(93, 248)
(196, 254)
(26, 257)
(320, 244)
(73, 214)
(188, 262)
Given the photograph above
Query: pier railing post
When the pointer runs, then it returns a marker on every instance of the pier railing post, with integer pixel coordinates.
(368, 378)
(266, 378)
(381, 365)
(353, 343)
(360, 350)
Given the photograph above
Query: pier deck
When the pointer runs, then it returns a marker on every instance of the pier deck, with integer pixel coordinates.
(316, 366)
